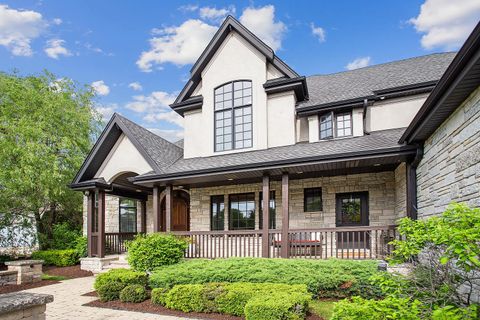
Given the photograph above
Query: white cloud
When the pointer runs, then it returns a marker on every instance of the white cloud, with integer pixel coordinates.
(179, 45)
(188, 8)
(446, 23)
(214, 14)
(155, 102)
(100, 88)
(18, 28)
(135, 86)
(168, 134)
(318, 32)
(55, 49)
(170, 116)
(106, 111)
(57, 21)
(261, 21)
(358, 63)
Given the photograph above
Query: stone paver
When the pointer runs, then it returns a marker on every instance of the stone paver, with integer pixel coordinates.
(68, 303)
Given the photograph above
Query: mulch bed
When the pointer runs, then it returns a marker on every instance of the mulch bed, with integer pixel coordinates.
(20, 287)
(148, 307)
(71, 272)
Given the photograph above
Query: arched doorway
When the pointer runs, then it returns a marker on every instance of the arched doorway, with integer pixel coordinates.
(180, 211)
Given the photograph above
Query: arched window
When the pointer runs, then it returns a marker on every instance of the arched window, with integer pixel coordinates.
(233, 115)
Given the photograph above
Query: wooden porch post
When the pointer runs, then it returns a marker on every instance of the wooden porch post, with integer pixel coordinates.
(285, 217)
(265, 215)
(90, 204)
(101, 224)
(143, 216)
(168, 207)
(156, 209)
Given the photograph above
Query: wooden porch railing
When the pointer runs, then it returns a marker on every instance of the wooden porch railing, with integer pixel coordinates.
(115, 241)
(320, 243)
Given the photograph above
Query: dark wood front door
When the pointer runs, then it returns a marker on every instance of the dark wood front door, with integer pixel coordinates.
(352, 211)
(180, 212)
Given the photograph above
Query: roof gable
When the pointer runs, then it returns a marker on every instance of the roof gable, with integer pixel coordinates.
(157, 152)
(230, 24)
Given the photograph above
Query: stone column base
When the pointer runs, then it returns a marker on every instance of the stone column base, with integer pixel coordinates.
(95, 264)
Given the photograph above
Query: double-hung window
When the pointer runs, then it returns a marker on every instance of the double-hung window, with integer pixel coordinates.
(128, 215)
(335, 125)
(217, 211)
(242, 211)
(233, 116)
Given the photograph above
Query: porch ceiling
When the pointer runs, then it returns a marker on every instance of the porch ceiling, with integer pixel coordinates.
(361, 164)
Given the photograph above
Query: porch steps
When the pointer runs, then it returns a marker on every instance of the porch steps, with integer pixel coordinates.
(120, 263)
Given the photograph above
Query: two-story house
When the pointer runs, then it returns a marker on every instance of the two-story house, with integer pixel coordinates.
(322, 152)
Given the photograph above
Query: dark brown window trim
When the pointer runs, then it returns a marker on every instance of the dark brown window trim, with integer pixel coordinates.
(333, 117)
(215, 202)
(312, 192)
(120, 207)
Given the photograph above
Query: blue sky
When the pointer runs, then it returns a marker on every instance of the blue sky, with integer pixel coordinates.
(138, 53)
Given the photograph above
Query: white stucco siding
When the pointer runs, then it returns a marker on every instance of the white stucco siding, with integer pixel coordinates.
(236, 59)
(281, 119)
(313, 129)
(124, 157)
(302, 129)
(357, 122)
(394, 113)
(272, 72)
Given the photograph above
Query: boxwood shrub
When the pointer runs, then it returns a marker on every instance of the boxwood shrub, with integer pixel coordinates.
(133, 293)
(109, 284)
(324, 278)
(59, 258)
(255, 301)
(147, 252)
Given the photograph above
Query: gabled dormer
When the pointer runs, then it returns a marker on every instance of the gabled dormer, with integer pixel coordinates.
(240, 96)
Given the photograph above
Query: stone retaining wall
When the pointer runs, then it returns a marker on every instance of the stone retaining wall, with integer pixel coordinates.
(8, 277)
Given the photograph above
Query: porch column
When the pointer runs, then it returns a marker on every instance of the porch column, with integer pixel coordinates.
(156, 209)
(143, 216)
(168, 207)
(285, 217)
(265, 215)
(90, 204)
(101, 224)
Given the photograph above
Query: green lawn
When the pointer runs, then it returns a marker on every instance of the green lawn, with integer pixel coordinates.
(49, 277)
(322, 308)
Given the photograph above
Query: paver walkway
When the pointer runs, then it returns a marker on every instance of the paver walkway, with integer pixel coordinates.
(68, 301)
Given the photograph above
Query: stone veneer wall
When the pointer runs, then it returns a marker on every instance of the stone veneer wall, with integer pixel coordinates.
(387, 201)
(383, 205)
(450, 167)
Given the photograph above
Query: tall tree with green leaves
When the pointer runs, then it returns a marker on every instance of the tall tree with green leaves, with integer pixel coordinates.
(47, 126)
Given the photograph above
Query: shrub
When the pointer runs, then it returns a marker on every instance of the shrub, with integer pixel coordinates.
(123, 276)
(147, 252)
(389, 308)
(133, 293)
(81, 246)
(64, 236)
(59, 258)
(109, 291)
(159, 295)
(253, 300)
(109, 285)
(455, 313)
(324, 278)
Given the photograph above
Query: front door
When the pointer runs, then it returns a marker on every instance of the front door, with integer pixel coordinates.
(352, 211)
(180, 212)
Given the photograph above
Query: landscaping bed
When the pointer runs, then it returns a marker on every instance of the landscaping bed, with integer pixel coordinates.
(148, 307)
(70, 272)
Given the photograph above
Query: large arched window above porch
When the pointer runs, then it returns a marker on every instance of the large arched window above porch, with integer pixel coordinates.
(233, 115)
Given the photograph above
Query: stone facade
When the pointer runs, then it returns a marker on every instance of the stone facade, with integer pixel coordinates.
(8, 277)
(450, 167)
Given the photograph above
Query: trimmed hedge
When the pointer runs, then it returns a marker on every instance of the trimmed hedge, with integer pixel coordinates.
(133, 293)
(255, 301)
(323, 278)
(109, 285)
(147, 252)
(388, 308)
(59, 258)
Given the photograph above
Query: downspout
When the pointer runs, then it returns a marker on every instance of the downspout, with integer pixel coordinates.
(365, 108)
(411, 172)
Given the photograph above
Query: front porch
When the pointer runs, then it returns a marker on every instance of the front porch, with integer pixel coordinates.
(355, 219)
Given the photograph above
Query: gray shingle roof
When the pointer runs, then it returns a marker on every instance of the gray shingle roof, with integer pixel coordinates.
(363, 82)
(377, 140)
(162, 152)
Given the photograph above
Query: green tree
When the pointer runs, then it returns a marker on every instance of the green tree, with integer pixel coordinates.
(47, 126)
